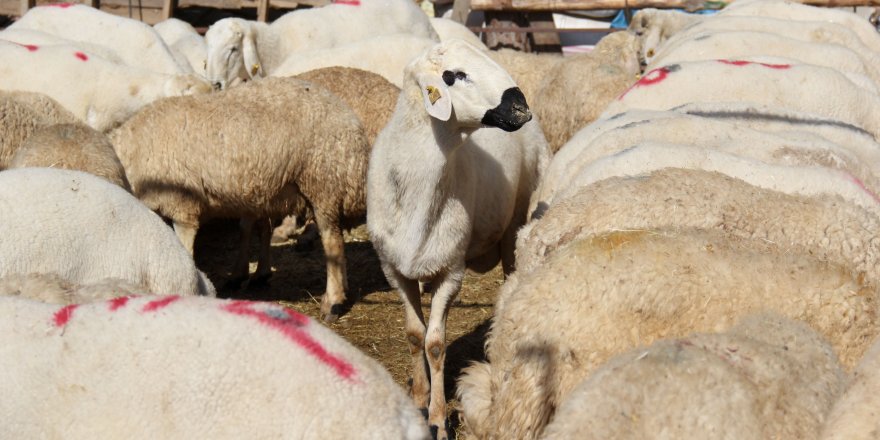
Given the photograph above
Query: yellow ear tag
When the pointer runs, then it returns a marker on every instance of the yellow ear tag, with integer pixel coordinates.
(254, 69)
(433, 94)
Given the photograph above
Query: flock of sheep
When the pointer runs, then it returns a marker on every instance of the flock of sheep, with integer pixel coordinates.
(687, 218)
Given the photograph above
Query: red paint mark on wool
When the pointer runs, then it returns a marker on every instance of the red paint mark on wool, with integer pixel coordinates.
(81, 56)
(746, 63)
(653, 77)
(63, 315)
(29, 47)
(291, 326)
(864, 188)
(153, 306)
(118, 303)
(348, 2)
(60, 5)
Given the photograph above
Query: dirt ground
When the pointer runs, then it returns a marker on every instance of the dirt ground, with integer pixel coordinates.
(375, 321)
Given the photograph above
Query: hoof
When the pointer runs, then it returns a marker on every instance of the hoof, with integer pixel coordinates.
(336, 311)
(260, 280)
(234, 283)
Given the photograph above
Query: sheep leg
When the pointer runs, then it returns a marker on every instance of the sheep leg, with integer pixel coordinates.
(241, 267)
(187, 234)
(435, 345)
(264, 264)
(334, 252)
(415, 331)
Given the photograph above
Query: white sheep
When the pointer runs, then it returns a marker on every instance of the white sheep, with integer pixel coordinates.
(450, 29)
(263, 150)
(136, 43)
(766, 377)
(98, 92)
(654, 26)
(738, 45)
(184, 41)
(173, 367)
(817, 90)
(71, 147)
(807, 31)
(444, 194)
(386, 55)
(794, 11)
(854, 416)
(51, 288)
(773, 137)
(84, 229)
(241, 50)
(31, 37)
(23, 113)
(625, 285)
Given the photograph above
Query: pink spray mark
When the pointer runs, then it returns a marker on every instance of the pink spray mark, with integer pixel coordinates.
(158, 304)
(81, 56)
(864, 188)
(63, 315)
(29, 47)
(348, 2)
(118, 303)
(60, 5)
(653, 77)
(290, 324)
(746, 63)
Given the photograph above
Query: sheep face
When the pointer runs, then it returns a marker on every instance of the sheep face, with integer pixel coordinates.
(460, 83)
(231, 49)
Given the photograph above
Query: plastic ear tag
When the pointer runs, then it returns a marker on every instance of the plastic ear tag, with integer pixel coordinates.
(254, 69)
(433, 94)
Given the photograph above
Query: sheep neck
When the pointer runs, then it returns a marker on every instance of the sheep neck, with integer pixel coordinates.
(268, 46)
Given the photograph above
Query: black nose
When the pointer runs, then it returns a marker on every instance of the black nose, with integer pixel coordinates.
(218, 85)
(511, 114)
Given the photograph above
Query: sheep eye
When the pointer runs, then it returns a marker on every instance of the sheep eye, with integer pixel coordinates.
(448, 77)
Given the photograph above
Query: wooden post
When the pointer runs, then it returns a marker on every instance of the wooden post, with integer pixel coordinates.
(512, 40)
(27, 4)
(262, 10)
(168, 7)
(544, 41)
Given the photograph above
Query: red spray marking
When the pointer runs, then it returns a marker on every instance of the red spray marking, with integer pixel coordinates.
(864, 188)
(348, 2)
(118, 303)
(292, 328)
(63, 315)
(60, 5)
(746, 63)
(81, 56)
(653, 77)
(29, 47)
(152, 306)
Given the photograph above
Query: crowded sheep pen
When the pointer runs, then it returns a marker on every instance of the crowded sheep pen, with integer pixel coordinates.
(358, 220)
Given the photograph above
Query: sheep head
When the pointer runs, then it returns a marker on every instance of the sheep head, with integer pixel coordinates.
(458, 81)
(232, 53)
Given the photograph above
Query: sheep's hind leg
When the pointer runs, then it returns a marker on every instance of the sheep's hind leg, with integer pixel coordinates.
(334, 252)
(435, 345)
(264, 264)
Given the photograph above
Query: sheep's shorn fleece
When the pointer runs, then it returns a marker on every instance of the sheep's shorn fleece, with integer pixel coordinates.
(51, 288)
(97, 91)
(766, 378)
(856, 415)
(371, 97)
(23, 113)
(445, 194)
(174, 367)
(86, 229)
(254, 152)
(72, 147)
(616, 290)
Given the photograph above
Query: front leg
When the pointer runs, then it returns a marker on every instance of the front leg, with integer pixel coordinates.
(447, 288)
(414, 326)
(334, 252)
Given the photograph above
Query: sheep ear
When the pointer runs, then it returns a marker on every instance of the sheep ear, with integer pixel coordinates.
(435, 95)
(251, 59)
